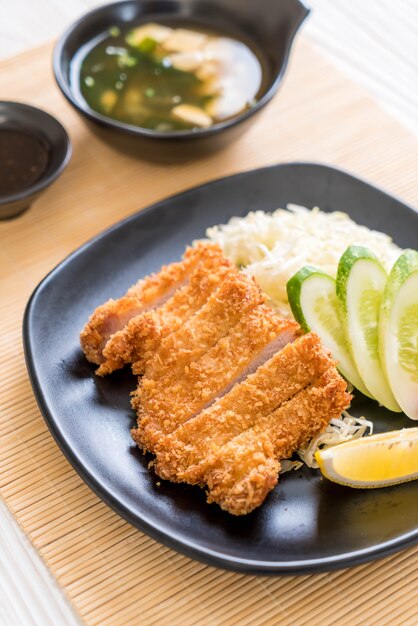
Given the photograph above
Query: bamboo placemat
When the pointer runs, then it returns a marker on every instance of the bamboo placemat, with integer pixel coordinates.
(112, 573)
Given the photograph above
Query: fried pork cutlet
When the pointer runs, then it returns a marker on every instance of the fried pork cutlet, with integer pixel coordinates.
(235, 298)
(229, 389)
(240, 474)
(139, 339)
(183, 455)
(145, 295)
(167, 401)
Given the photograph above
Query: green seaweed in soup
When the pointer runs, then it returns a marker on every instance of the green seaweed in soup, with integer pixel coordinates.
(166, 79)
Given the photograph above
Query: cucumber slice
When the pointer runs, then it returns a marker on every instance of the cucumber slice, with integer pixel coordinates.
(312, 297)
(398, 331)
(361, 280)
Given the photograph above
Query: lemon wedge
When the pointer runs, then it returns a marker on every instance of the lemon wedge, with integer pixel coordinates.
(375, 461)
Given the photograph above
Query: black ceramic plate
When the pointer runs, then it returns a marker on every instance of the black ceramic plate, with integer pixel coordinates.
(307, 523)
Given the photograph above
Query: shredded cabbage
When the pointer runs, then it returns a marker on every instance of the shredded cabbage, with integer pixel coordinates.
(272, 247)
(287, 465)
(341, 429)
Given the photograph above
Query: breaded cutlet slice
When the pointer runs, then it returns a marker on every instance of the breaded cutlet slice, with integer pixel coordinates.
(165, 403)
(139, 339)
(236, 296)
(183, 454)
(241, 473)
(148, 293)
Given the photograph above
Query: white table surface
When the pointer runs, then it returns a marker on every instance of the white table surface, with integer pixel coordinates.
(374, 42)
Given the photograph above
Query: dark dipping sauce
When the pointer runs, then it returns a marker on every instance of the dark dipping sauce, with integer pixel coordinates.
(23, 160)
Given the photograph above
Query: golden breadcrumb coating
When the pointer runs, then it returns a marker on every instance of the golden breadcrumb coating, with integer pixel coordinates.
(167, 401)
(139, 339)
(182, 455)
(241, 473)
(146, 294)
(235, 298)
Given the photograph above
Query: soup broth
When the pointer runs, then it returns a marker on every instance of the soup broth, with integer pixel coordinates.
(169, 79)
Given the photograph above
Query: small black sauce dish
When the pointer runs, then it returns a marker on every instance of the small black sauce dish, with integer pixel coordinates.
(34, 150)
(269, 26)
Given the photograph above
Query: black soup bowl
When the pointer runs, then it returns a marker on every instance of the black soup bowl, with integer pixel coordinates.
(268, 26)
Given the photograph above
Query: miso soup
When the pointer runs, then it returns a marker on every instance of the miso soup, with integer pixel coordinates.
(169, 79)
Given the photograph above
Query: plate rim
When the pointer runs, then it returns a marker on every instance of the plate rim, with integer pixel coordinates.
(190, 548)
